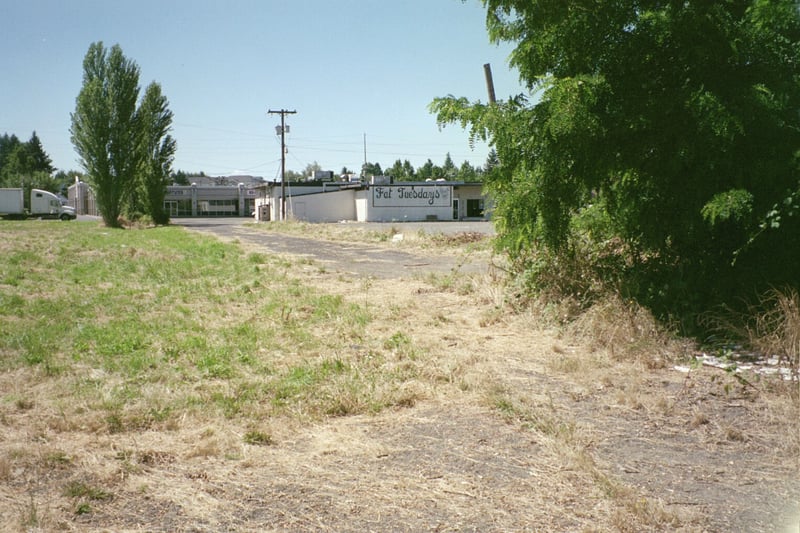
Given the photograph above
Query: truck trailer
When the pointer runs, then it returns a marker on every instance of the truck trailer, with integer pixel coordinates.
(43, 205)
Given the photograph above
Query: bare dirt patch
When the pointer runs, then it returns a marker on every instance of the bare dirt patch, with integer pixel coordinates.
(518, 426)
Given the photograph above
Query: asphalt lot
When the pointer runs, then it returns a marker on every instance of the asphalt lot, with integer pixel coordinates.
(355, 258)
(445, 227)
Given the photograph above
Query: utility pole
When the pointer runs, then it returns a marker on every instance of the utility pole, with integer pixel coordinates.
(364, 168)
(282, 131)
(487, 72)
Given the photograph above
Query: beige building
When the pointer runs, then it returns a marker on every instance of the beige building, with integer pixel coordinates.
(210, 200)
(81, 197)
(183, 200)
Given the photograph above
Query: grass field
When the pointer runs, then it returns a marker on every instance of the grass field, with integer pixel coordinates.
(159, 379)
(136, 328)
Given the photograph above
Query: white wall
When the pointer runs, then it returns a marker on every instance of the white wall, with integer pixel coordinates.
(321, 207)
(399, 202)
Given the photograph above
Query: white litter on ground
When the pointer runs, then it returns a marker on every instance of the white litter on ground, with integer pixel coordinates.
(765, 366)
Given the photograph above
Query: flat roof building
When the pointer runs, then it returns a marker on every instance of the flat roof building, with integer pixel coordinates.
(380, 201)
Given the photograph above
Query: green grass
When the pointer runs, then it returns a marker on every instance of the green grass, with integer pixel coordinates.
(137, 328)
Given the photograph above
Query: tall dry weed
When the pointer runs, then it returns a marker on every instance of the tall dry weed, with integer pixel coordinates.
(628, 331)
(775, 331)
(770, 328)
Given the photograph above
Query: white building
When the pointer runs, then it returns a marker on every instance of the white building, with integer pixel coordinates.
(319, 201)
(380, 201)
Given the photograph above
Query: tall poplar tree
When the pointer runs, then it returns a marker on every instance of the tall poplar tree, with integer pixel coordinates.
(158, 150)
(104, 129)
(125, 150)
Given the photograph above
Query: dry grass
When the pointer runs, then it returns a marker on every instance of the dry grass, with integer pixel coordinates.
(440, 408)
(399, 235)
(769, 329)
(776, 331)
(629, 333)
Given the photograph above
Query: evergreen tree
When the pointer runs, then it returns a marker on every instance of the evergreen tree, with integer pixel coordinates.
(492, 161)
(449, 170)
(37, 158)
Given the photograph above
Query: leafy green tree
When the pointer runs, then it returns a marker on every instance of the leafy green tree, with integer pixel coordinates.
(66, 178)
(292, 175)
(7, 145)
(104, 128)
(19, 170)
(180, 178)
(468, 174)
(157, 149)
(396, 171)
(371, 169)
(22, 159)
(408, 170)
(670, 126)
(401, 170)
(124, 145)
(19, 162)
(310, 169)
(16, 166)
(429, 171)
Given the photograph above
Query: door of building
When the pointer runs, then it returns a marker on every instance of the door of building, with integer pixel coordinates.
(475, 208)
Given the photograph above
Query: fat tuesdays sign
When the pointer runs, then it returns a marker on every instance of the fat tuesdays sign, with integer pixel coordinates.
(412, 196)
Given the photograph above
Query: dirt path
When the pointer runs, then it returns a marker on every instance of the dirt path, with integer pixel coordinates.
(594, 443)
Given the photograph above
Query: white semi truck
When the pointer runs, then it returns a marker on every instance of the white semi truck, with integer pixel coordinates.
(43, 205)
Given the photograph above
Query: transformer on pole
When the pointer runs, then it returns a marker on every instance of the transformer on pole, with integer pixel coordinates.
(282, 130)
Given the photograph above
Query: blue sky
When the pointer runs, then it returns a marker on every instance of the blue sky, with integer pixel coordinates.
(350, 68)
